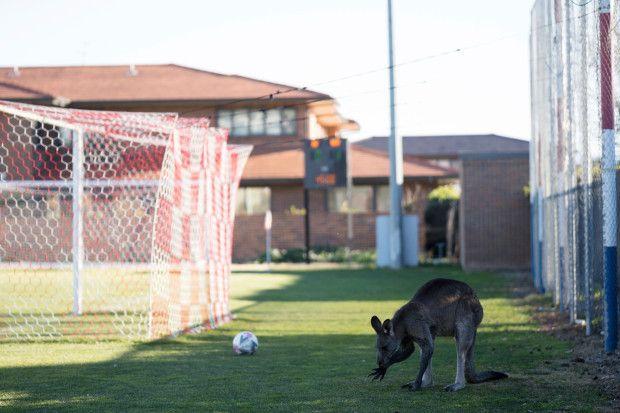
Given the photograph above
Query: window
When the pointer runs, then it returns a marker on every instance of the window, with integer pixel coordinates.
(253, 201)
(274, 125)
(241, 123)
(382, 198)
(361, 199)
(288, 121)
(224, 119)
(258, 122)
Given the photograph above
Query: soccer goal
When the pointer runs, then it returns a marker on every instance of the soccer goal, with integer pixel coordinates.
(113, 224)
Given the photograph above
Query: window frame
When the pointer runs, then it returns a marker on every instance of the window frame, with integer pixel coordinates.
(376, 199)
(242, 192)
(331, 192)
(286, 127)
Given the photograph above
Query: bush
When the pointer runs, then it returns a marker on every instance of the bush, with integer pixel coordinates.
(282, 255)
(321, 254)
(444, 193)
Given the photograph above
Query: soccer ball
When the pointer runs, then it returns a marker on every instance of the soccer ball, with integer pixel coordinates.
(245, 343)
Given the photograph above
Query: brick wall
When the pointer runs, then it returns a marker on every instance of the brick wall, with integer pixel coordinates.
(326, 228)
(494, 212)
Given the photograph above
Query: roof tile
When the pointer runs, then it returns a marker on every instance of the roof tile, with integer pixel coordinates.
(152, 83)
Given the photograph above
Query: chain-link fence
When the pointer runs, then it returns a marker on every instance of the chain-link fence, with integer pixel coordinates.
(573, 85)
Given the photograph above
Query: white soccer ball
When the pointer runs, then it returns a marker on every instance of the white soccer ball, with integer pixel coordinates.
(245, 343)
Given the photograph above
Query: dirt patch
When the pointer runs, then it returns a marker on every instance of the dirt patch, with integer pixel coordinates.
(586, 359)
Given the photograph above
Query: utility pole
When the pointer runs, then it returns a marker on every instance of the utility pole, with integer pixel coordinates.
(349, 202)
(396, 163)
(307, 224)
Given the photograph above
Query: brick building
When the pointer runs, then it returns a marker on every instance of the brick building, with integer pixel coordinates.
(275, 118)
(494, 224)
(495, 211)
(328, 221)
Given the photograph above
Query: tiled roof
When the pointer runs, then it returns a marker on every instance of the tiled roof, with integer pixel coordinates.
(450, 146)
(150, 83)
(288, 165)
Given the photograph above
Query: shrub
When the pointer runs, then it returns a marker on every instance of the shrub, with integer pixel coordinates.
(321, 254)
(444, 193)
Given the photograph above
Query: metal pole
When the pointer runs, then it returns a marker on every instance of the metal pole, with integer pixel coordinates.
(608, 162)
(561, 156)
(569, 177)
(396, 163)
(536, 172)
(541, 237)
(349, 202)
(307, 224)
(532, 163)
(268, 223)
(586, 193)
(77, 222)
(553, 142)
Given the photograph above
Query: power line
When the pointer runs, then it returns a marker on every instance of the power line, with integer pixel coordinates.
(280, 92)
(307, 102)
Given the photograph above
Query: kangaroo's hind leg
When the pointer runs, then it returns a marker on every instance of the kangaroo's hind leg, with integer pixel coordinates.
(463, 343)
(465, 336)
(470, 370)
(427, 378)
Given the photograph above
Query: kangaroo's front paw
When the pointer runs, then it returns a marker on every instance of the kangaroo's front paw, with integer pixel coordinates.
(454, 387)
(412, 385)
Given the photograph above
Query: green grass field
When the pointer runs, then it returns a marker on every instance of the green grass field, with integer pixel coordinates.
(37, 304)
(316, 348)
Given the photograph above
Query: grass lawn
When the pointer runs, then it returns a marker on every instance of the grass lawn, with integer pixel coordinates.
(316, 348)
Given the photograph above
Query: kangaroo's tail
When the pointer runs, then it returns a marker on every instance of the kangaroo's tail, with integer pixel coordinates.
(485, 376)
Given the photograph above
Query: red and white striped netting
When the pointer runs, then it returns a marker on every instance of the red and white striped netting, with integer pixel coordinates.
(113, 223)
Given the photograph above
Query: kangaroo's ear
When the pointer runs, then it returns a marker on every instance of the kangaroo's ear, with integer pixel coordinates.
(376, 324)
(387, 325)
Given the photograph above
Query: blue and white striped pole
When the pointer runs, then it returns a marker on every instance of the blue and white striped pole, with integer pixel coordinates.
(608, 162)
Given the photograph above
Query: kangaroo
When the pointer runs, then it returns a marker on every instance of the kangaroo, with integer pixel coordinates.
(441, 307)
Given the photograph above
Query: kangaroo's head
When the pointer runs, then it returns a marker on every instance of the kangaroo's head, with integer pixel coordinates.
(390, 349)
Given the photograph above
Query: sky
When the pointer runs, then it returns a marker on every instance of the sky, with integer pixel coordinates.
(483, 88)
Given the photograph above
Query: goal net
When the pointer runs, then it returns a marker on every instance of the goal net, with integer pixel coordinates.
(113, 224)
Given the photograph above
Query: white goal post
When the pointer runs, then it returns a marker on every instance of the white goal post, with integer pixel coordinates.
(113, 224)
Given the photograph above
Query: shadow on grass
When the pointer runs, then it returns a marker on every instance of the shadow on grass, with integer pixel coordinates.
(289, 373)
(372, 284)
(307, 372)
